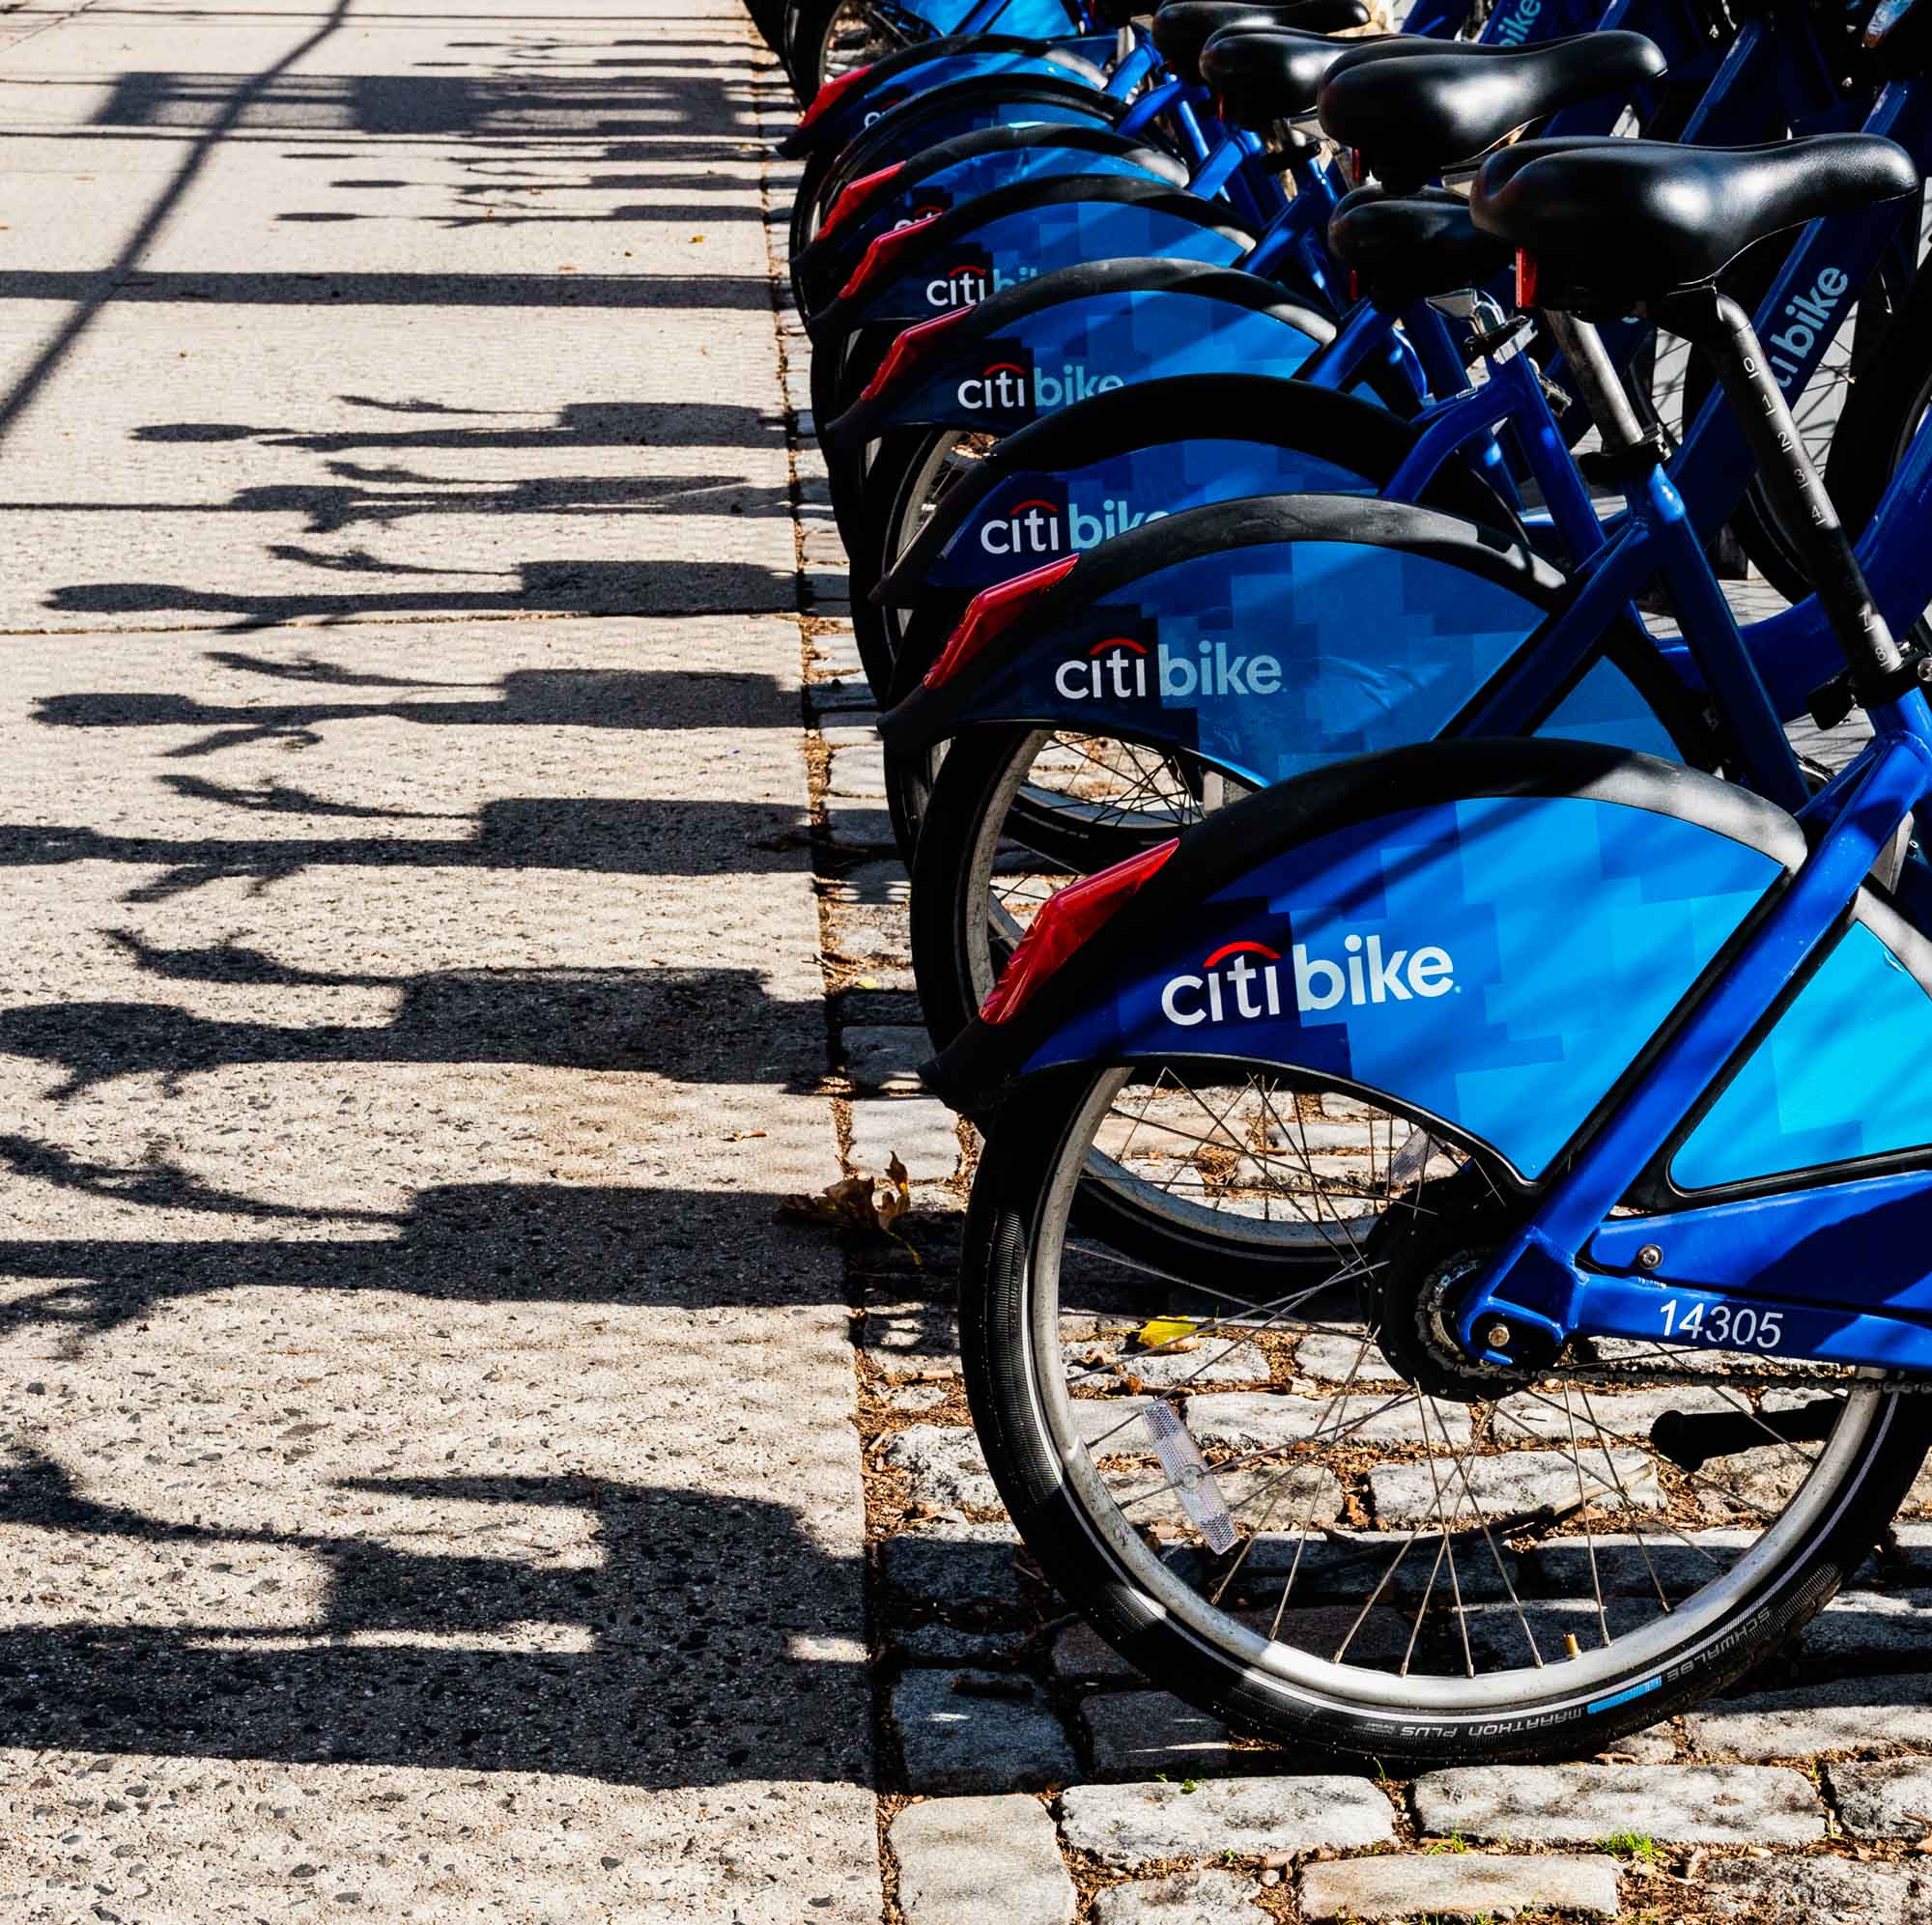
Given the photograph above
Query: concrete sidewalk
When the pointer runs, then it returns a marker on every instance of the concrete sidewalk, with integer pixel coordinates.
(432, 1486)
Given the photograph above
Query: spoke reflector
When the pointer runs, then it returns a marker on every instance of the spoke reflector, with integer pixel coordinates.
(1187, 1470)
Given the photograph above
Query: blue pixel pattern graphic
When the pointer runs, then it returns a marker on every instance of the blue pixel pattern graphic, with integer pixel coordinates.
(1041, 19)
(1008, 249)
(1496, 962)
(946, 188)
(850, 118)
(1845, 1072)
(1274, 659)
(1030, 519)
(1073, 349)
(1607, 707)
(967, 116)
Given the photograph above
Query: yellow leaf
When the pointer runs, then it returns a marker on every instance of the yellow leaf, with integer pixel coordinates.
(1159, 1330)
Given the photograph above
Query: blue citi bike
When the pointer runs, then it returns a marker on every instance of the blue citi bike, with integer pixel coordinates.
(1605, 1083)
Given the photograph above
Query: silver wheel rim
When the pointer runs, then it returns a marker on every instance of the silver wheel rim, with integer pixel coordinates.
(1666, 1634)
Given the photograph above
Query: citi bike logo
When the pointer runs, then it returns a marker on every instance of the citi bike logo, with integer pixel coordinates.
(925, 211)
(1243, 982)
(1043, 527)
(1120, 666)
(1516, 29)
(1805, 320)
(1009, 384)
(969, 282)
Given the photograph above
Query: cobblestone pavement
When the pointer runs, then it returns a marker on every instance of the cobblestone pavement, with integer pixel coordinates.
(1804, 1798)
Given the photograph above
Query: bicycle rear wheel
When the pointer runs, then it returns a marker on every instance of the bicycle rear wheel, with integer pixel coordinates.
(1276, 1498)
(824, 39)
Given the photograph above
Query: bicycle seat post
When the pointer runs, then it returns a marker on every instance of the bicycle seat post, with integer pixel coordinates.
(1716, 323)
(1597, 387)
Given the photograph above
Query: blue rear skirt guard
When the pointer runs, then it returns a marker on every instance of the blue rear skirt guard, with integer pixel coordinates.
(1490, 937)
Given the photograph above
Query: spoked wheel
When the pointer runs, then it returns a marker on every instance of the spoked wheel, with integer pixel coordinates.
(828, 37)
(910, 488)
(1323, 1538)
(1014, 816)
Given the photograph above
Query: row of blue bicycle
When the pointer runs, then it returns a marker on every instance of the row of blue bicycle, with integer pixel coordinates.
(1392, 564)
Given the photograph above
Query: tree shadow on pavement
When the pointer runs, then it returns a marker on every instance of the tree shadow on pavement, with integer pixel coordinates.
(558, 835)
(632, 698)
(531, 587)
(687, 1026)
(487, 1243)
(700, 1635)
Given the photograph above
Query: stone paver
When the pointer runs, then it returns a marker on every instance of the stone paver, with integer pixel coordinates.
(1127, 1826)
(1569, 1804)
(1625, 1563)
(1354, 1565)
(1342, 1358)
(1080, 1652)
(1621, 1417)
(1141, 1733)
(1448, 1885)
(1259, 1420)
(1167, 1368)
(951, 1564)
(885, 1055)
(1845, 1714)
(1815, 1891)
(921, 1131)
(980, 1861)
(950, 1645)
(437, 1494)
(978, 1731)
(945, 1463)
(1890, 1799)
(1409, 1495)
(1870, 1623)
(1181, 1898)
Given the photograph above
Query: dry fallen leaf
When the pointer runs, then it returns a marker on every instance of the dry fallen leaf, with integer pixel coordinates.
(861, 1201)
(896, 1198)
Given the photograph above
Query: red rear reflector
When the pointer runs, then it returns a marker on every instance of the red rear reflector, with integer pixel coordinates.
(1065, 923)
(910, 345)
(855, 195)
(1526, 278)
(879, 254)
(832, 93)
(991, 612)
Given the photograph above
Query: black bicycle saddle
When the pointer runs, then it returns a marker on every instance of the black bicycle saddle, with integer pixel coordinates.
(1609, 225)
(1264, 74)
(1402, 249)
(1411, 119)
(1183, 27)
